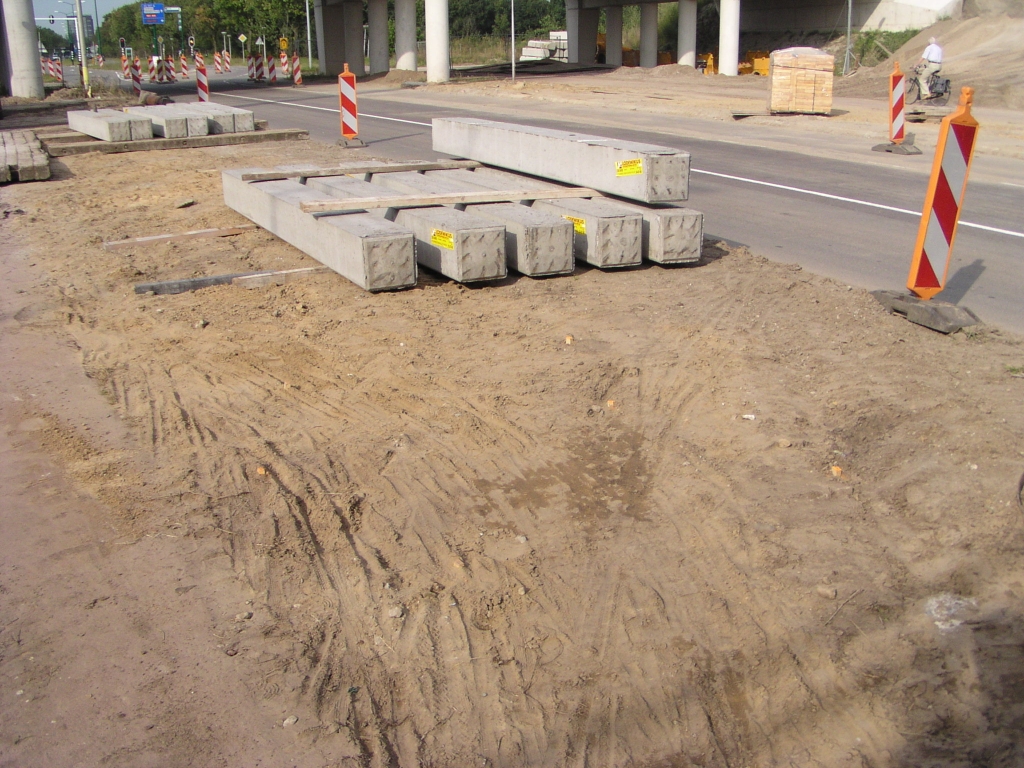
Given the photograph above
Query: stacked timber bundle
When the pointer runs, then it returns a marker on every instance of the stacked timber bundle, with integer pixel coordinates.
(800, 80)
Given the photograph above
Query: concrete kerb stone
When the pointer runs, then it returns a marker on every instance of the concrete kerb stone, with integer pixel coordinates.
(372, 252)
(166, 122)
(536, 243)
(224, 119)
(644, 172)
(456, 244)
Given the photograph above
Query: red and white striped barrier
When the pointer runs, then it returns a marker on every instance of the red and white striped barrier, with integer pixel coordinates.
(227, 60)
(349, 110)
(944, 199)
(100, 61)
(184, 67)
(296, 70)
(250, 64)
(51, 68)
(137, 77)
(58, 69)
(202, 83)
(271, 70)
(126, 68)
(216, 63)
(169, 70)
(152, 69)
(42, 65)
(284, 64)
(260, 73)
(897, 106)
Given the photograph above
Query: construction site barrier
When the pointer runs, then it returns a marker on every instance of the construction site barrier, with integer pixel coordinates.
(58, 69)
(897, 104)
(100, 61)
(184, 67)
(942, 203)
(169, 71)
(136, 70)
(216, 63)
(202, 83)
(296, 70)
(284, 65)
(349, 109)
(250, 65)
(260, 72)
(271, 70)
(227, 60)
(126, 68)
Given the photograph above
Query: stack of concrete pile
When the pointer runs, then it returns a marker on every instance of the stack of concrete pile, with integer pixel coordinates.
(374, 226)
(22, 158)
(561, 41)
(179, 121)
(538, 50)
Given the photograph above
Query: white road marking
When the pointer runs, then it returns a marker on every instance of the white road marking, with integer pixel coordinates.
(800, 190)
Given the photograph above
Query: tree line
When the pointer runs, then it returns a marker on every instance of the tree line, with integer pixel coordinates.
(205, 20)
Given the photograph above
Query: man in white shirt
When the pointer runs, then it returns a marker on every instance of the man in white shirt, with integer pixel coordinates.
(931, 62)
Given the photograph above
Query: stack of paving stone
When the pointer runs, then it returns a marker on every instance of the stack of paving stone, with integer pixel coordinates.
(538, 50)
(375, 226)
(22, 158)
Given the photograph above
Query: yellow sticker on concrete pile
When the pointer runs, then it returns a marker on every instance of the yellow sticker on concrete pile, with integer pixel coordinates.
(580, 225)
(442, 239)
(633, 167)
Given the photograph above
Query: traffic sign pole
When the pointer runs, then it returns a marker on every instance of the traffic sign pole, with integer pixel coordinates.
(942, 203)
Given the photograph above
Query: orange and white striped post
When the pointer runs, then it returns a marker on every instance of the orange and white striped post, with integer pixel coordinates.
(184, 67)
(942, 203)
(897, 105)
(227, 60)
(284, 65)
(202, 82)
(137, 77)
(296, 70)
(170, 70)
(100, 61)
(126, 68)
(271, 70)
(216, 63)
(58, 67)
(349, 108)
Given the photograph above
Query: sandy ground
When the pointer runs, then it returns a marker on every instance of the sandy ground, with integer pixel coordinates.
(725, 515)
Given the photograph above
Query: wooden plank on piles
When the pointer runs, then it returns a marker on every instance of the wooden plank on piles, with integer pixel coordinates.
(460, 198)
(315, 173)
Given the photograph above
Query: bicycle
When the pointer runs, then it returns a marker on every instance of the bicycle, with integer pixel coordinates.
(938, 86)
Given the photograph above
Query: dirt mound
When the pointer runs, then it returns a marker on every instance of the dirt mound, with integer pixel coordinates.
(983, 51)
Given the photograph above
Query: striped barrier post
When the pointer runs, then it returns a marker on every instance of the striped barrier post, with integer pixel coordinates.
(42, 65)
(100, 61)
(284, 65)
(171, 78)
(58, 70)
(51, 70)
(260, 73)
(227, 60)
(161, 66)
(250, 64)
(900, 142)
(126, 67)
(349, 109)
(184, 67)
(137, 77)
(296, 70)
(216, 63)
(944, 199)
(202, 83)
(271, 70)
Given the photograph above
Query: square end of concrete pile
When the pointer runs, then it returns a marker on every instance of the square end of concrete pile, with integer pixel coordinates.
(648, 173)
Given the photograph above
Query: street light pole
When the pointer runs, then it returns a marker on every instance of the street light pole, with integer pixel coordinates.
(80, 27)
(309, 40)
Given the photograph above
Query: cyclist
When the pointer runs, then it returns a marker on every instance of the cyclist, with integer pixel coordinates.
(929, 64)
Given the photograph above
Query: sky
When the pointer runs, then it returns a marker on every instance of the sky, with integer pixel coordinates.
(44, 8)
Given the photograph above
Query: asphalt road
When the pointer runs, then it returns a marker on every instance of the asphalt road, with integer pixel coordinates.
(856, 240)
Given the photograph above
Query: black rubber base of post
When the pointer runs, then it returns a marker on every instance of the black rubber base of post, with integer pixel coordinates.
(940, 316)
(351, 143)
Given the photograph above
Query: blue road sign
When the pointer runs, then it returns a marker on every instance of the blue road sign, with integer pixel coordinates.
(152, 13)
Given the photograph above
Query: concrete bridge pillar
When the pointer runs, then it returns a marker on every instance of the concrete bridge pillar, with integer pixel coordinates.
(354, 37)
(686, 46)
(22, 49)
(729, 38)
(649, 35)
(377, 22)
(339, 37)
(613, 35)
(438, 58)
(581, 23)
(405, 35)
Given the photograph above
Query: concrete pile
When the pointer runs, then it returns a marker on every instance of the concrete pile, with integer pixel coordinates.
(22, 157)
(561, 41)
(169, 121)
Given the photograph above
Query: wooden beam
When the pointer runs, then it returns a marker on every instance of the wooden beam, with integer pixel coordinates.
(310, 173)
(227, 232)
(144, 145)
(454, 198)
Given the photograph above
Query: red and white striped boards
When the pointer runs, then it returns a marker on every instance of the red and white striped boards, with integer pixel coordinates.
(349, 110)
(202, 82)
(942, 203)
(897, 104)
